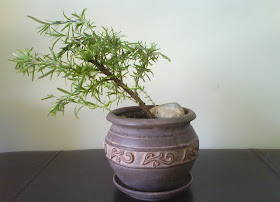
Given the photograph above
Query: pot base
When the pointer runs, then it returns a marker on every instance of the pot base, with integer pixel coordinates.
(151, 196)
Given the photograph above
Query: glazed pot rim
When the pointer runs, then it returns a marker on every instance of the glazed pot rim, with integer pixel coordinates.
(114, 118)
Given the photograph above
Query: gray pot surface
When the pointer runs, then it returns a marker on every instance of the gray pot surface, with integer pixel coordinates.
(151, 155)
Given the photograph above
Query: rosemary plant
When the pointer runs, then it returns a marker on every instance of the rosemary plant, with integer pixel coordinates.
(96, 63)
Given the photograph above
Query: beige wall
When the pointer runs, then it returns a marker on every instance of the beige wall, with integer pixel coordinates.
(225, 66)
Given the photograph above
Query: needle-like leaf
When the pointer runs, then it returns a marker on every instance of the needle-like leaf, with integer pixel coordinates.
(97, 64)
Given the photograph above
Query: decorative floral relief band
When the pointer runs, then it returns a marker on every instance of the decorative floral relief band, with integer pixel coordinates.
(136, 159)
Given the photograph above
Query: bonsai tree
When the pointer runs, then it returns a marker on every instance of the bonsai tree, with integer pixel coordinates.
(96, 62)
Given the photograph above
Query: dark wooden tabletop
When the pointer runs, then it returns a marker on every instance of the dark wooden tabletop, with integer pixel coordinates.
(85, 175)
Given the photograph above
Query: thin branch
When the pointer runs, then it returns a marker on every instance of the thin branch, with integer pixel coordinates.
(64, 22)
(120, 83)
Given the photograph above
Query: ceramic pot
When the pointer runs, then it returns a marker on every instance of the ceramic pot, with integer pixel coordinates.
(151, 155)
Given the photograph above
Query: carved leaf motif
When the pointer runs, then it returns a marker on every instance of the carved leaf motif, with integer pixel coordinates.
(121, 156)
(157, 160)
(190, 152)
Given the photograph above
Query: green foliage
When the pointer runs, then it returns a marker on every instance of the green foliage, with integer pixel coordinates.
(96, 63)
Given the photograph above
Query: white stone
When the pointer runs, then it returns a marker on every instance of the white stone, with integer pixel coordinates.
(168, 110)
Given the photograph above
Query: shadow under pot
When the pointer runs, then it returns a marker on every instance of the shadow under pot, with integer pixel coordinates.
(151, 158)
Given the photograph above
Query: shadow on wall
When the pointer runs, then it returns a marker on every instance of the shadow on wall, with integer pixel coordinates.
(238, 114)
(253, 121)
(27, 126)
